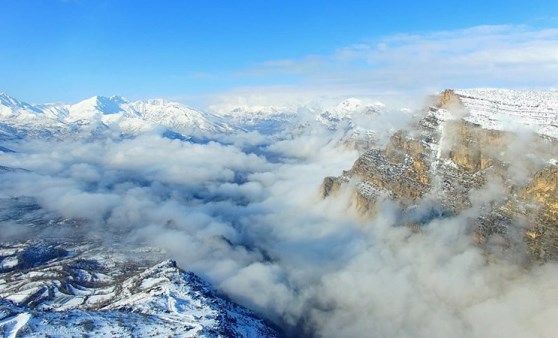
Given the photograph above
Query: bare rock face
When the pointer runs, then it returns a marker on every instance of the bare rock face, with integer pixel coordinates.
(543, 229)
(456, 165)
(449, 99)
(329, 186)
(474, 148)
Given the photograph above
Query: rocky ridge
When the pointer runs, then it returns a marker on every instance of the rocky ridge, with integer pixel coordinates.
(448, 164)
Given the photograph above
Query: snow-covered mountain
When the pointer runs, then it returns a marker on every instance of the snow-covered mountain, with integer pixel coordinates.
(96, 107)
(99, 113)
(115, 114)
(176, 116)
(325, 113)
(353, 118)
(498, 109)
(351, 106)
(19, 118)
(81, 290)
(350, 110)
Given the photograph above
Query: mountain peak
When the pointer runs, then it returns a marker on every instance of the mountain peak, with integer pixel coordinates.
(8, 101)
(100, 104)
(350, 104)
(10, 107)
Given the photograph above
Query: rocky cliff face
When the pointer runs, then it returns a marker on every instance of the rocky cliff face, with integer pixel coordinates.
(452, 165)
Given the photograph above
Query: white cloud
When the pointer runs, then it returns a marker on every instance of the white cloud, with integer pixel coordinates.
(483, 56)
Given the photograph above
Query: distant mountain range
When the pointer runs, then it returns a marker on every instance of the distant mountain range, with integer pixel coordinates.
(498, 109)
(100, 113)
(101, 116)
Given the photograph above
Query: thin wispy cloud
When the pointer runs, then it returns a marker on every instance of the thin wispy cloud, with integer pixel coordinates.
(481, 56)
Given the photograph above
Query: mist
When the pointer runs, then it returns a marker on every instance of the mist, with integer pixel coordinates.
(253, 224)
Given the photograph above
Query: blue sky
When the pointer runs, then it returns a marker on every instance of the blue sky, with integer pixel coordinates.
(55, 50)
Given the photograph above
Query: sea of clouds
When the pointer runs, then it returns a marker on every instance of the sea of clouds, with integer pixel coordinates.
(253, 224)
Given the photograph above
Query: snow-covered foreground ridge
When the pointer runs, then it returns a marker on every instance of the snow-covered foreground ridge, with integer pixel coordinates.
(75, 290)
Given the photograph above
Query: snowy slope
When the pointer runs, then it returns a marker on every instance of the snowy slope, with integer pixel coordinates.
(69, 283)
(95, 108)
(81, 289)
(15, 112)
(321, 111)
(350, 115)
(175, 116)
(350, 109)
(505, 109)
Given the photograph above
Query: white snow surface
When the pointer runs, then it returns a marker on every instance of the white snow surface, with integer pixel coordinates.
(113, 112)
(62, 297)
(353, 105)
(12, 325)
(512, 110)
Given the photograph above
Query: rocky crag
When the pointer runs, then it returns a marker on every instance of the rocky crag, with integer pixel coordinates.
(458, 159)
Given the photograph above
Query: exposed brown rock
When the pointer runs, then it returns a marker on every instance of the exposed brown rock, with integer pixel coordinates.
(473, 148)
(330, 185)
(449, 100)
(446, 160)
(541, 197)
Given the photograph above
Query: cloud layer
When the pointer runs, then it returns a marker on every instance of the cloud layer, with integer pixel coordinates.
(482, 56)
(258, 230)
